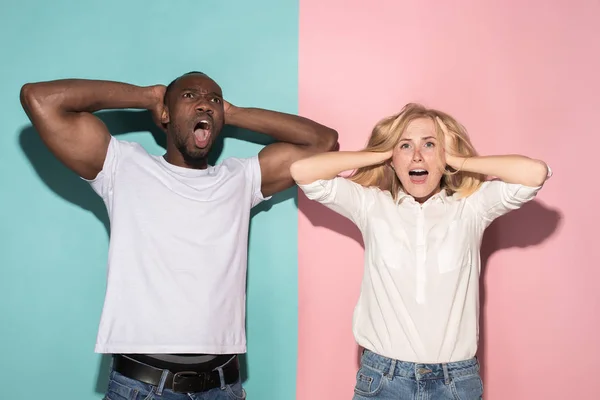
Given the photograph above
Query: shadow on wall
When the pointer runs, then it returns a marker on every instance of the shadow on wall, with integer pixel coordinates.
(73, 189)
(528, 226)
(67, 184)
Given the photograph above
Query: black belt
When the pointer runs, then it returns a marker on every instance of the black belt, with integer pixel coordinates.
(180, 382)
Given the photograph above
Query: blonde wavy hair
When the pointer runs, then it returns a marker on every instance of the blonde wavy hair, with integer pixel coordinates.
(386, 135)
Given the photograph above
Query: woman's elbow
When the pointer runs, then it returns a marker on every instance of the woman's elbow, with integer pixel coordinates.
(540, 172)
(301, 172)
(296, 170)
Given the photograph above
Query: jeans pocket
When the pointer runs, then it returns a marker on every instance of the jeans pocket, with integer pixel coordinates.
(236, 391)
(149, 396)
(469, 387)
(118, 391)
(369, 382)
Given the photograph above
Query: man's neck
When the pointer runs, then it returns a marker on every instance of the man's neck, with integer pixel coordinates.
(175, 157)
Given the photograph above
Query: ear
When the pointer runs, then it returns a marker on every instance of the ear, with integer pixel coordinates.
(164, 116)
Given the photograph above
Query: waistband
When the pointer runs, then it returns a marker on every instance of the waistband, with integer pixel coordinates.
(174, 366)
(181, 382)
(419, 371)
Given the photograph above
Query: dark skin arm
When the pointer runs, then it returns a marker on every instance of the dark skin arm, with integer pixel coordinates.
(297, 138)
(61, 112)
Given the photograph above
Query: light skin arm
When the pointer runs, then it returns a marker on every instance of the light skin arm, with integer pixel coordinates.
(516, 169)
(329, 165)
(508, 168)
(296, 137)
(61, 112)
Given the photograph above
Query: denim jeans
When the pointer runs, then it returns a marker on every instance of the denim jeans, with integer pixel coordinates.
(386, 379)
(122, 388)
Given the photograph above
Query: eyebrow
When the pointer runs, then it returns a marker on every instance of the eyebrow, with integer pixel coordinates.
(196, 90)
(423, 138)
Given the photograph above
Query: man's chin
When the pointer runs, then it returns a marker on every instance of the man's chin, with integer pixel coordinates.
(191, 152)
(197, 153)
(194, 155)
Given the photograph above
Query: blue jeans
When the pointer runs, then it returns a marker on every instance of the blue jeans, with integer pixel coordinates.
(122, 388)
(386, 379)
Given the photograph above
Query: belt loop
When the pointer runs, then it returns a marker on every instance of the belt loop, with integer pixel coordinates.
(446, 375)
(222, 377)
(163, 380)
(392, 369)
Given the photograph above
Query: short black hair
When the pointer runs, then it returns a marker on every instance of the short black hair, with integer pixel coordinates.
(170, 85)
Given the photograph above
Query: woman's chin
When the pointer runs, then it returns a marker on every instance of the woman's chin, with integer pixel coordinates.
(421, 192)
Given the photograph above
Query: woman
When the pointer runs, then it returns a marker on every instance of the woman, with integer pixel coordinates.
(420, 197)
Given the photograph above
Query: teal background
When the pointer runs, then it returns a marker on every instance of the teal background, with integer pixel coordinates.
(53, 228)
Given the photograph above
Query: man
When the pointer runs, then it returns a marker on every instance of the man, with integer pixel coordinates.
(174, 311)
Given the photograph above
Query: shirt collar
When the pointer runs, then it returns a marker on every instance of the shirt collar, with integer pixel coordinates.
(442, 196)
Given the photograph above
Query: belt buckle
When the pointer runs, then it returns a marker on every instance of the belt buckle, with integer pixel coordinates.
(189, 382)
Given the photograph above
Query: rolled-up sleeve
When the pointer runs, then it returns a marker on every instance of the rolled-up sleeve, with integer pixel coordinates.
(254, 175)
(496, 198)
(341, 195)
(104, 182)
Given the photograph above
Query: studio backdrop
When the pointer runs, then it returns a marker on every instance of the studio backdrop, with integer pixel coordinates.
(522, 77)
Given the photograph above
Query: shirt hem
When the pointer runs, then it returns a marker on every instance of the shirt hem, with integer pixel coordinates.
(165, 349)
(421, 360)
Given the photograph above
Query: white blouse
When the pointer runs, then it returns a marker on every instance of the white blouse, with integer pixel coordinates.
(419, 298)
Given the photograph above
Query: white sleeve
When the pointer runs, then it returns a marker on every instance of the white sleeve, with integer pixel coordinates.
(255, 179)
(341, 195)
(104, 182)
(496, 198)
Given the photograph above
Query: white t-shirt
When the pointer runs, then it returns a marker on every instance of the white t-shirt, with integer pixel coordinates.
(178, 253)
(419, 298)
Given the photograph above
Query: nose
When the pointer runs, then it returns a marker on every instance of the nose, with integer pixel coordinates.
(417, 156)
(203, 107)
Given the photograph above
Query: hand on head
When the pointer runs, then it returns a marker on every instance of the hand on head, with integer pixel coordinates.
(450, 152)
(227, 107)
(449, 148)
(159, 92)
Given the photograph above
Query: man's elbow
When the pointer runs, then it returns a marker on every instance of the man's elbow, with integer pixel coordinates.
(26, 94)
(328, 141)
(31, 96)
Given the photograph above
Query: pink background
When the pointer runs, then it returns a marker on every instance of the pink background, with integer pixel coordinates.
(524, 78)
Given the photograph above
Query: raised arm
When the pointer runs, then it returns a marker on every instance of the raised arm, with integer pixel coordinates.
(297, 138)
(329, 165)
(508, 168)
(61, 112)
(517, 169)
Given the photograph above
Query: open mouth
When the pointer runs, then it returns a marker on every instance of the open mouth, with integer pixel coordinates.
(202, 132)
(418, 176)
